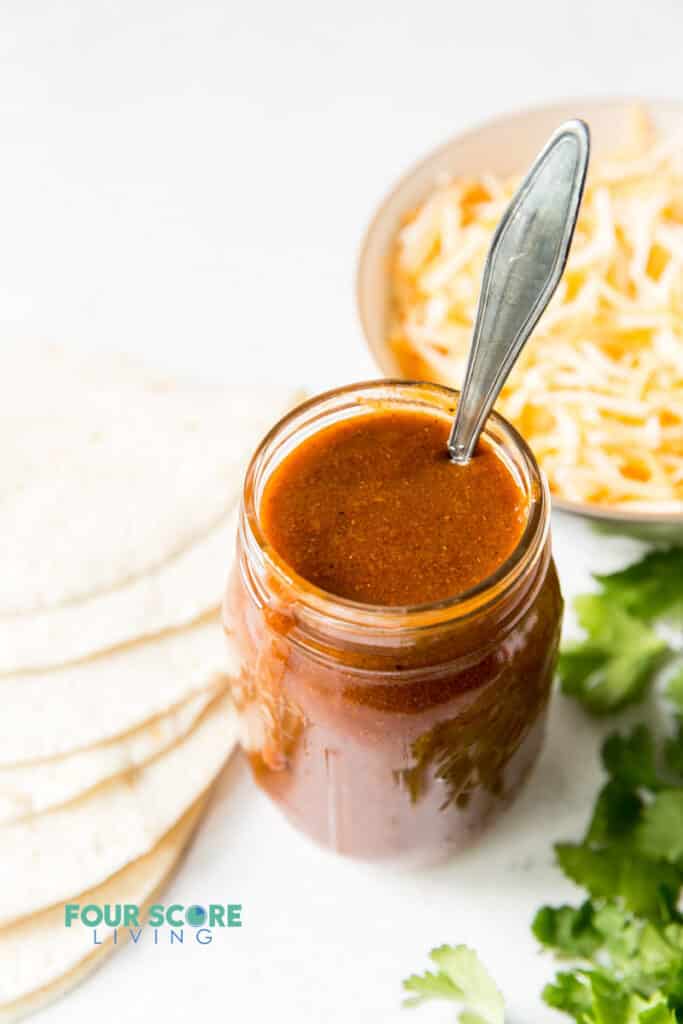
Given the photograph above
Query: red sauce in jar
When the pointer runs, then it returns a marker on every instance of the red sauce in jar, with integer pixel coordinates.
(372, 509)
(384, 726)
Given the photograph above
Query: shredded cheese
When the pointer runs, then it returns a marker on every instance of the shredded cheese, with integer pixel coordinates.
(598, 391)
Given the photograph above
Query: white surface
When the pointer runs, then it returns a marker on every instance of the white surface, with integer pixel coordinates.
(190, 182)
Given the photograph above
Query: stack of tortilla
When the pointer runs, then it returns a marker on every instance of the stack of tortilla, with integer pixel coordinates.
(118, 496)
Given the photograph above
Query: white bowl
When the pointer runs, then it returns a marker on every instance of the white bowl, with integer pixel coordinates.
(505, 145)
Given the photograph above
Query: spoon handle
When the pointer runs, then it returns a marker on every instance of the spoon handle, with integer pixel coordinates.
(523, 268)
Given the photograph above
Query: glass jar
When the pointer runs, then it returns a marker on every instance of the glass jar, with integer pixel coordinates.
(388, 732)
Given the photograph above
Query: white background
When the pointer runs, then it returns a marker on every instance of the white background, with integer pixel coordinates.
(189, 182)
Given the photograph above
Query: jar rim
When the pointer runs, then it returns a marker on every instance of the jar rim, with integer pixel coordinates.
(363, 397)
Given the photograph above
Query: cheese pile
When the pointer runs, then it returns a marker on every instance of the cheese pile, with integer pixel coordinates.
(117, 510)
(598, 391)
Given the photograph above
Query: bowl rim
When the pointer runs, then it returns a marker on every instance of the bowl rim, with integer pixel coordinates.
(585, 105)
(639, 517)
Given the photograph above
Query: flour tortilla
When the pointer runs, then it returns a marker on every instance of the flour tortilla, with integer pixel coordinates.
(46, 859)
(52, 714)
(181, 591)
(43, 960)
(26, 790)
(104, 480)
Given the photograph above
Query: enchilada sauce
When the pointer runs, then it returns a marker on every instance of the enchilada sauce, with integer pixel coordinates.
(373, 510)
(394, 739)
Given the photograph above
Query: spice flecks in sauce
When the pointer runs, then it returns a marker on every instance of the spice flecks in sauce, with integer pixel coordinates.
(373, 510)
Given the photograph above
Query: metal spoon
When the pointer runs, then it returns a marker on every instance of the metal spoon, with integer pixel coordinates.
(523, 268)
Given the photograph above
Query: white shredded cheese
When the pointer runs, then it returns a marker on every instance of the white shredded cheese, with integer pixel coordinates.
(598, 392)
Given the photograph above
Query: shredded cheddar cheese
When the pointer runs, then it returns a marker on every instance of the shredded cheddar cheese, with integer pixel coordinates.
(598, 391)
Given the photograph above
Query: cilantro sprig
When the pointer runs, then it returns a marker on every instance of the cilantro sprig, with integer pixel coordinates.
(626, 939)
(623, 944)
(624, 646)
(462, 978)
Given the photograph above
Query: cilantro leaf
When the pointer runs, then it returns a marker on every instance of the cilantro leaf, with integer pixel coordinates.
(660, 833)
(568, 930)
(619, 933)
(571, 994)
(650, 589)
(617, 812)
(616, 662)
(594, 997)
(430, 986)
(461, 977)
(627, 939)
(644, 886)
(659, 1014)
(595, 870)
(674, 689)
(631, 759)
(656, 952)
(673, 751)
(611, 1004)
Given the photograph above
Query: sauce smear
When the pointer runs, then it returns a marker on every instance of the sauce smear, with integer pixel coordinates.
(373, 510)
